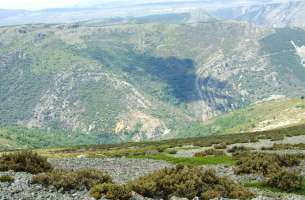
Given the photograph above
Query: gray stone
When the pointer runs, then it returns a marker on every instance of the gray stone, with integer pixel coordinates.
(177, 198)
(121, 170)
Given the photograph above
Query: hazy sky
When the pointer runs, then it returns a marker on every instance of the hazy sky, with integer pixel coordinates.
(42, 4)
(36, 4)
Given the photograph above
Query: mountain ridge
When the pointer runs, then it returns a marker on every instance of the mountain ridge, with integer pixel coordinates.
(268, 13)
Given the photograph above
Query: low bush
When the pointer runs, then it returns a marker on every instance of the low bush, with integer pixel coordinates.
(300, 146)
(287, 181)
(238, 149)
(220, 146)
(111, 191)
(256, 163)
(267, 148)
(188, 182)
(263, 163)
(287, 160)
(209, 152)
(72, 180)
(24, 161)
(171, 151)
(6, 178)
(276, 137)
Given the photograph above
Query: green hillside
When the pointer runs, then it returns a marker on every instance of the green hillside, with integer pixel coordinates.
(262, 116)
(138, 81)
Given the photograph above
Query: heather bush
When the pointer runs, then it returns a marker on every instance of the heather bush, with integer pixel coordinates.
(187, 182)
(111, 191)
(24, 161)
(72, 180)
(287, 181)
(238, 149)
(263, 163)
(6, 178)
(287, 160)
(220, 146)
(171, 151)
(209, 152)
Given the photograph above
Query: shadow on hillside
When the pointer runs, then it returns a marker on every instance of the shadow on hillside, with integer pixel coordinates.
(179, 74)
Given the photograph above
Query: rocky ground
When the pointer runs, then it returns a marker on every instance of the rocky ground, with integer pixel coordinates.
(22, 189)
(269, 143)
(189, 151)
(121, 170)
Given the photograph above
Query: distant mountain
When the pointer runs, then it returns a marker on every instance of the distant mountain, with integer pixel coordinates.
(280, 14)
(217, 3)
(270, 13)
(98, 12)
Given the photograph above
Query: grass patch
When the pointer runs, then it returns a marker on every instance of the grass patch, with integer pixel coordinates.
(192, 161)
(263, 186)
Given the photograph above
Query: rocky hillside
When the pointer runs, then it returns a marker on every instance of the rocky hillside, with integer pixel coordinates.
(141, 81)
(274, 14)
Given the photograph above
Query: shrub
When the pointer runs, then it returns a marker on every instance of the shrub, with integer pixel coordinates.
(220, 146)
(288, 146)
(257, 163)
(277, 137)
(265, 164)
(287, 181)
(24, 161)
(187, 182)
(238, 149)
(70, 180)
(209, 152)
(171, 151)
(6, 178)
(267, 148)
(111, 191)
(211, 194)
(287, 160)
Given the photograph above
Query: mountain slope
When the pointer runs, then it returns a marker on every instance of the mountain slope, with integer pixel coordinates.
(264, 116)
(141, 81)
(277, 14)
(261, 116)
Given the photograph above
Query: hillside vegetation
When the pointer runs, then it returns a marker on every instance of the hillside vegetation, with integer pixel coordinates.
(260, 116)
(107, 83)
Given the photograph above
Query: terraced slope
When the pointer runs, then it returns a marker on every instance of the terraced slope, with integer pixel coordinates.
(141, 81)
